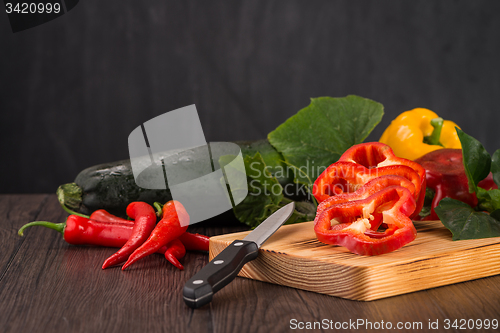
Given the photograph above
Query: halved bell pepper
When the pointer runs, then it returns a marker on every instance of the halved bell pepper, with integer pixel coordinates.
(419, 131)
(371, 187)
(377, 154)
(347, 177)
(348, 223)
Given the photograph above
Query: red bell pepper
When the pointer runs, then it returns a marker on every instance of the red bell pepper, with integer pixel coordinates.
(348, 223)
(445, 173)
(347, 177)
(376, 154)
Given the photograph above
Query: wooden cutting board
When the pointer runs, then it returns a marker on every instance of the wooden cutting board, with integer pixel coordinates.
(293, 257)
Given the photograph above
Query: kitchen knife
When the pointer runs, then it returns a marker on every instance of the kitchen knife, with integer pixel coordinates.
(199, 290)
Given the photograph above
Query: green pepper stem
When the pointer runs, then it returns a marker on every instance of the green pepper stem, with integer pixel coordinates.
(159, 208)
(70, 195)
(433, 139)
(56, 226)
(71, 212)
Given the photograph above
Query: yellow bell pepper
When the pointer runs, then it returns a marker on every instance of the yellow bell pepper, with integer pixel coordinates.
(419, 131)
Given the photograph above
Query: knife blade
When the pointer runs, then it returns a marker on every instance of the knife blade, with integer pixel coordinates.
(199, 290)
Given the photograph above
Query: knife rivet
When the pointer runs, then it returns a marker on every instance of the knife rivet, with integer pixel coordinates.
(218, 262)
(197, 281)
(238, 244)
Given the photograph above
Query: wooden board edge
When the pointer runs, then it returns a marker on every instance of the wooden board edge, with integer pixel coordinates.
(370, 283)
(268, 267)
(433, 272)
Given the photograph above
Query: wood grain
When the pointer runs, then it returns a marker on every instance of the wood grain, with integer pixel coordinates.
(294, 257)
(16, 210)
(50, 286)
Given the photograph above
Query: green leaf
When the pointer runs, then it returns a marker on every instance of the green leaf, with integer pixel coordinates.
(265, 196)
(264, 193)
(317, 135)
(305, 211)
(476, 159)
(254, 209)
(273, 159)
(427, 208)
(464, 222)
(496, 214)
(261, 180)
(236, 174)
(488, 200)
(495, 167)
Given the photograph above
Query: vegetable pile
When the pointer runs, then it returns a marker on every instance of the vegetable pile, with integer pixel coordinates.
(363, 196)
(137, 238)
(462, 178)
(279, 169)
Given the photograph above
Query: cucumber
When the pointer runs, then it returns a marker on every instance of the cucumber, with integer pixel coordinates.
(111, 186)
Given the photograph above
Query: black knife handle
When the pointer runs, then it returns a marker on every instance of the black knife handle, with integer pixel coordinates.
(199, 290)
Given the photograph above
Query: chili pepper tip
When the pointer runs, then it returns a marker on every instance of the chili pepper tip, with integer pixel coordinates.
(173, 260)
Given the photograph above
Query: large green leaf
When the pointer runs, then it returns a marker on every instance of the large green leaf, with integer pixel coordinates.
(317, 135)
(265, 195)
(272, 158)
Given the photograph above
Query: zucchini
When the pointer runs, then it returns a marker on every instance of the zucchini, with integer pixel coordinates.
(111, 186)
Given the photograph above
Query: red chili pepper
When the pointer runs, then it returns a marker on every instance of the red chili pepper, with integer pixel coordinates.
(79, 230)
(104, 216)
(195, 242)
(145, 221)
(98, 215)
(168, 229)
(347, 224)
(175, 251)
(445, 174)
(376, 154)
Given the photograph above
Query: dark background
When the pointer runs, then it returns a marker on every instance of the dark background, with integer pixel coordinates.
(73, 89)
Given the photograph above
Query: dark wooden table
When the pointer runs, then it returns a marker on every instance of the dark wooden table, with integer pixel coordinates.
(47, 285)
